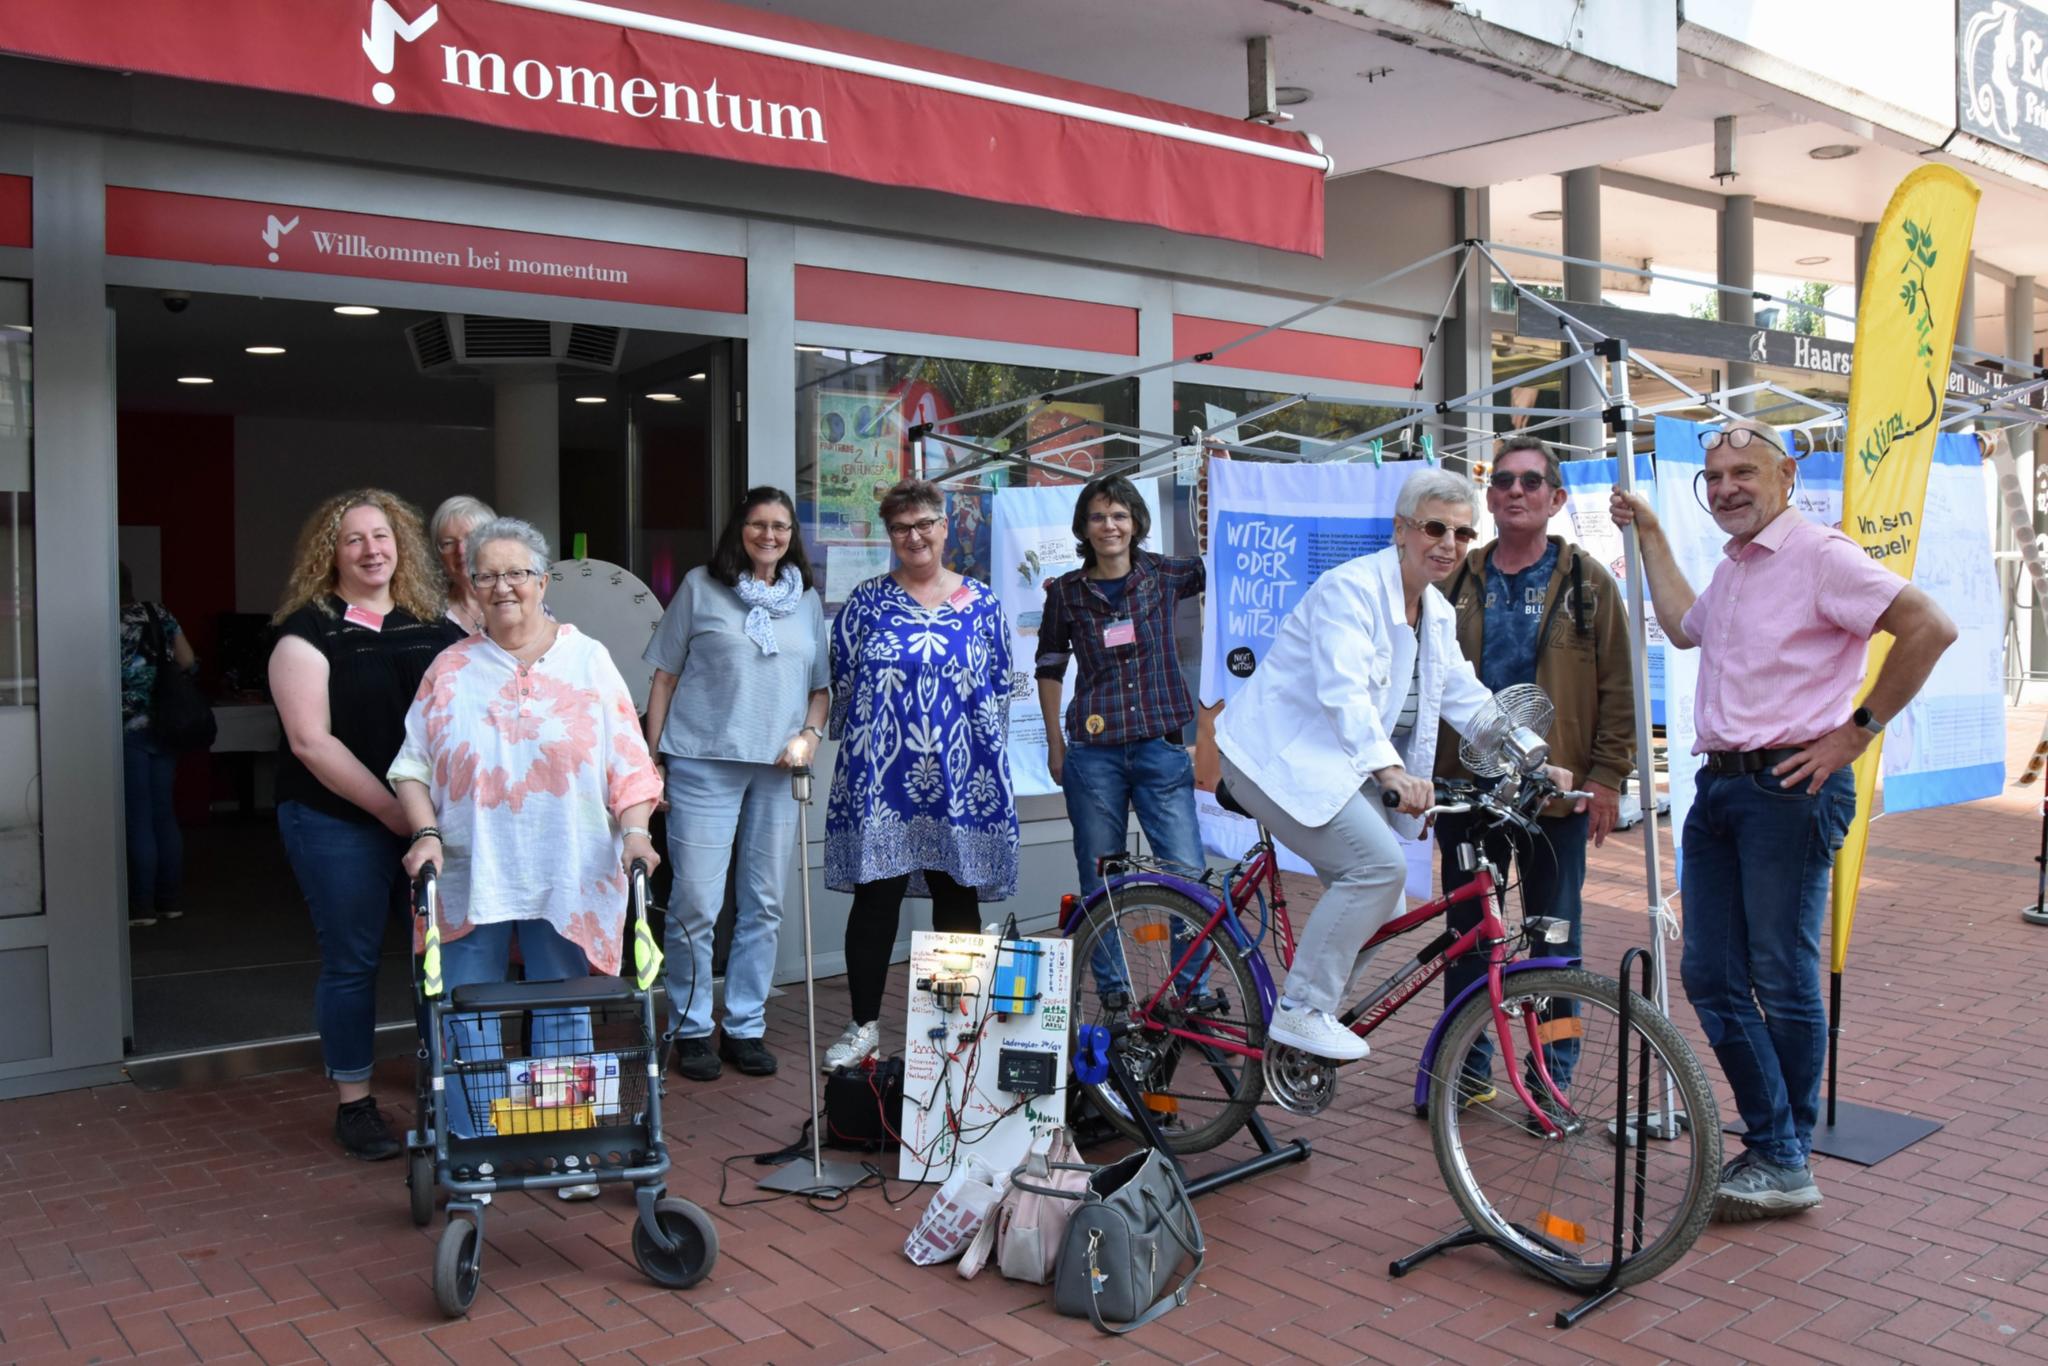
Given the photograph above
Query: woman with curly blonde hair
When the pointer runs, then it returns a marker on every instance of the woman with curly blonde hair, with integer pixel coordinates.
(360, 621)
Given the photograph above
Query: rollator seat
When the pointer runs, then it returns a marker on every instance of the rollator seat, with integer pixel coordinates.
(582, 991)
(1228, 802)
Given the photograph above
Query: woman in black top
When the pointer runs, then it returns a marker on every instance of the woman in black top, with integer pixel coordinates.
(360, 622)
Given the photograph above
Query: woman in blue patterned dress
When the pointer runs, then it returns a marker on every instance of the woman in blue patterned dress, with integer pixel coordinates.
(921, 802)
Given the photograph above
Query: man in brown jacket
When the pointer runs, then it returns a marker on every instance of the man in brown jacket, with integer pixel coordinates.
(1534, 608)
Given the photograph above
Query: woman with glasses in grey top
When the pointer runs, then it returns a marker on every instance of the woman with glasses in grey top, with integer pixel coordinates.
(741, 687)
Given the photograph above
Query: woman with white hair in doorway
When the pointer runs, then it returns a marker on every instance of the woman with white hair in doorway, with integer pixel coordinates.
(526, 782)
(449, 530)
(1343, 708)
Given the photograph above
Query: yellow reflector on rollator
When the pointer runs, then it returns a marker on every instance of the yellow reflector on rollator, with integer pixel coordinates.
(646, 955)
(430, 961)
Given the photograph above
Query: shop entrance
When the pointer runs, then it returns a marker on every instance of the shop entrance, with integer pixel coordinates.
(237, 415)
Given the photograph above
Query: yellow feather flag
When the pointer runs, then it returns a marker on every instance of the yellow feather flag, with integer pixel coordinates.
(1905, 334)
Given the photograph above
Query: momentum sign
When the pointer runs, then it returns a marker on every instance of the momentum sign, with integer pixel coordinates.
(716, 80)
(2002, 74)
(236, 232)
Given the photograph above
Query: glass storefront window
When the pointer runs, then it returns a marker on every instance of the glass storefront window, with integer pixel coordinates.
(854, 414)
(21, 841)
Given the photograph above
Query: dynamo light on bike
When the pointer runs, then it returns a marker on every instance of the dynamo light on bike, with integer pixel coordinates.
(1547, 929)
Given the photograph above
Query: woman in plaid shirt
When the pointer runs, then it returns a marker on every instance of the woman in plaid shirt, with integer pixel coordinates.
(1121, 745)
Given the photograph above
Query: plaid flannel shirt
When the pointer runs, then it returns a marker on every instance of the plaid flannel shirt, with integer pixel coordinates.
(1136, 689)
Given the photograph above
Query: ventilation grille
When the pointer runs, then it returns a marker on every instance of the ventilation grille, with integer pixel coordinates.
(459, 346)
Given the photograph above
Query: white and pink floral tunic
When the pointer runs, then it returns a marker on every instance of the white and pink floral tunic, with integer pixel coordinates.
(529, 767)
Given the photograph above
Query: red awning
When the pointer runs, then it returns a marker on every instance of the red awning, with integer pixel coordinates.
(723, 81)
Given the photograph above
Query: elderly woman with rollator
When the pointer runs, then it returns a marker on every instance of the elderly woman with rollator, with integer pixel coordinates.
(1344, 708)
(525, 779)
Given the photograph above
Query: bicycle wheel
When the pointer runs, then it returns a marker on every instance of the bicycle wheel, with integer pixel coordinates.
(1553, 1197)
(1196, 1038)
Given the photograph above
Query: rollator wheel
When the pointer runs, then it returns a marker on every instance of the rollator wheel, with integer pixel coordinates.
(696, 1241)
(458, 1270)
(419, 1176)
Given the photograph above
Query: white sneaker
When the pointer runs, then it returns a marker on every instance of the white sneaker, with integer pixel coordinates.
(588, 1191)
(858, 1043)
(1315, 1032)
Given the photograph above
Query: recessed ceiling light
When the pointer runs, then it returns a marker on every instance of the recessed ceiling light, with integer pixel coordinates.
(1834, 151)
(698, 375)
(666, 398)
(1547, 215)
(357, 311)
(814, 350)
(1811, 261)
(264, 350)
(194, 379)
(1293, 94)
(590, 398)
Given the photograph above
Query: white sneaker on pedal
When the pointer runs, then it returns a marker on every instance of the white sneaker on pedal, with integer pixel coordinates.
(858, 1043)
(1317, 1032)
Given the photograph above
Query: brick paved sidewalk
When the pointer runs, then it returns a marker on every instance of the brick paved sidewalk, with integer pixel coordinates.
(219, 1224)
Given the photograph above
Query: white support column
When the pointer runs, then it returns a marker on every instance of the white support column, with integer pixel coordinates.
(1582, 285)
(1736, 265)
(527, 446)
(770, 406)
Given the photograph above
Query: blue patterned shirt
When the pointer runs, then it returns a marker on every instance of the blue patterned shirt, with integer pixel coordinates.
(921, 705)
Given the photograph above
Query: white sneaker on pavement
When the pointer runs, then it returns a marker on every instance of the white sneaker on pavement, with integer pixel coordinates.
(857, 1043)
(588, 1191)
(1316, 1032)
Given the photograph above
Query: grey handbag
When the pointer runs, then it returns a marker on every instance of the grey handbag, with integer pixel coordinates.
(1124, 1242)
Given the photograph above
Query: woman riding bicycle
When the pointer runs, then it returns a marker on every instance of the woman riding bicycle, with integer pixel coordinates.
(1347, 699)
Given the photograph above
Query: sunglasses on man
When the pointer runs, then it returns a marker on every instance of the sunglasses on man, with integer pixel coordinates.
(1530, 480)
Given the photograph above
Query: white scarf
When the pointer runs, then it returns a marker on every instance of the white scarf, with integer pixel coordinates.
(767, 602)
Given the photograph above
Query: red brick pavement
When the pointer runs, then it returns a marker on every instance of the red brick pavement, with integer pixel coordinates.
(218, 1224)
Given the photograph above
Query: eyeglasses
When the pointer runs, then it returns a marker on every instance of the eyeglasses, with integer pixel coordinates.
(903, 531)
(1737, 439)
(1530, 480)
(1119, 516)
(511, 578)
(769, 528)
(447, 543)
(1436, 530)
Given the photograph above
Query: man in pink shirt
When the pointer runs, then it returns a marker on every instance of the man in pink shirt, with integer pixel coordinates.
(1781, 631)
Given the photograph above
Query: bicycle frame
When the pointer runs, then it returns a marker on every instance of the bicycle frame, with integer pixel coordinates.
(1384, 1001)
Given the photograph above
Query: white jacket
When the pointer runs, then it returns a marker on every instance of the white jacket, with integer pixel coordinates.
(1312, 726)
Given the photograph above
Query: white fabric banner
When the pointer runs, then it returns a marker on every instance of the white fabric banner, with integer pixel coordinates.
(1033, 544)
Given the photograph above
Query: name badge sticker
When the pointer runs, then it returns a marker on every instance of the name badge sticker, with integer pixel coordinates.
(368, 620)
(1117, 633)
(962, 598)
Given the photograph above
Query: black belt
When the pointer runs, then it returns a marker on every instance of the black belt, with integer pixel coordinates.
(1734, 761)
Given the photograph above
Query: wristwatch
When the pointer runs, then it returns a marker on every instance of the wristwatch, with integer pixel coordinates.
(1863, 718)
(813, 730)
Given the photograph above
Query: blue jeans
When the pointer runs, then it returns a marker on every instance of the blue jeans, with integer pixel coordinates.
(710, 801)
(1755, 883)
(485, 955)
(1552, 871)
(350, 875)
(1102, 783)
(156, 847)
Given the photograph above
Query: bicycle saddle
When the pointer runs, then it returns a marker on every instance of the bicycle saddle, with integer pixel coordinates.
(1228, 802)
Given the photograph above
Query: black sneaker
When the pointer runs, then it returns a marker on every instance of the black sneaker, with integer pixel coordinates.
(694, 1060)
(362, 1132)
(751, 1056)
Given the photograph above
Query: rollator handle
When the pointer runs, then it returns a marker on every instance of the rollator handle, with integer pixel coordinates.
(800, 783)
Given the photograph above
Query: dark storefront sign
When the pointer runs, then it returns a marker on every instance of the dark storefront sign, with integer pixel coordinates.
(1733, 342)
(2002, 74)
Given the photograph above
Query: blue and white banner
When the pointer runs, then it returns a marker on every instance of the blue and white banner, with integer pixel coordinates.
(1949, 744)
(1585, 520)
(1273, 529)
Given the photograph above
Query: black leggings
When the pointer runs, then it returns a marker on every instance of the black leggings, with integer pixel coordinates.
(871, 931)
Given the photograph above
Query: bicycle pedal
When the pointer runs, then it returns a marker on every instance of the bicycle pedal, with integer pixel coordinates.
(1210, 1003)
(1300, 1083)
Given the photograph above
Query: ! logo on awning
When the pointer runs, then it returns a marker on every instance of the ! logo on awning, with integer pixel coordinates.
(274, 231)
(380, 42)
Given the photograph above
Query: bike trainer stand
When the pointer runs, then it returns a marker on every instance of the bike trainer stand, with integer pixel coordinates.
(1271, 1154)
(1608, 1286)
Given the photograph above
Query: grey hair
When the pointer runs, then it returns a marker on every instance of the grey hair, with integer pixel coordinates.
(460, 508)
(1435, 486)
(507, 529)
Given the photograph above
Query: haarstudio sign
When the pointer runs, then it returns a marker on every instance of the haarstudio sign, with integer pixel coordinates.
(713, 79)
